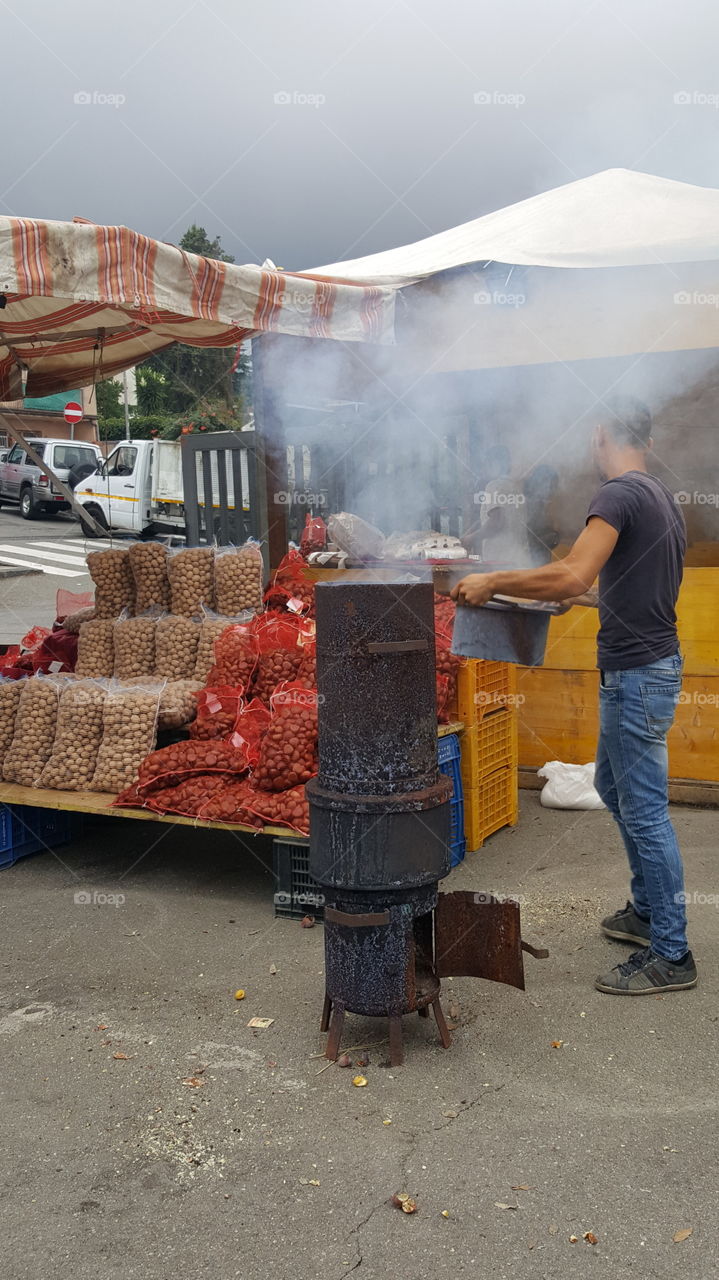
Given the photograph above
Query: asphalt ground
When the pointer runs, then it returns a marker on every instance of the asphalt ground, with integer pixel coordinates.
(28, 599)
(148, 1132)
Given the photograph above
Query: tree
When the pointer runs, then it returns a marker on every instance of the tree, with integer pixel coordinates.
(180, 378)
(109, 408)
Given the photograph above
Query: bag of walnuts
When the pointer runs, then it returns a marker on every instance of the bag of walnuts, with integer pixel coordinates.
(10, 691)
(238, 578)
(133, 641)
(129, 725)
(192, 580)
(77, 737)
(178, 704)
(176, 641)
(114, 588)
(148, 565)
(34, 734)
(95, 649)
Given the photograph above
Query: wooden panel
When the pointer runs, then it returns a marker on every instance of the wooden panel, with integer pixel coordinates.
(559, 720)
(571, 643)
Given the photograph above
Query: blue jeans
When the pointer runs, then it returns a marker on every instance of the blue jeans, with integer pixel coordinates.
(636, 710)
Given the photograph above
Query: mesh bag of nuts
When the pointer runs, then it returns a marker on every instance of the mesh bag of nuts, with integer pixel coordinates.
(170, 765)
(133, 642)
(74, 621)
(235, 656)
(128, 734)
(229, 804)
(217, 711)
(288, 754)
(10, 691)
(212, 626)
(238, 578)
(148, 564)
(176, 641)
(34, 733)
(249, 730)
(192, 580)
(178, 704)
(77, 737)
(189, 797)
(279, 641)
(282, 808)
(114, 589)
(95, 649)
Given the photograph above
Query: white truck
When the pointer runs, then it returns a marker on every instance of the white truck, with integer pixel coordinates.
(139, 487)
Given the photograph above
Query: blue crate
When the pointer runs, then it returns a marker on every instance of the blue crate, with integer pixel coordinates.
(25, 830)
(448, 758)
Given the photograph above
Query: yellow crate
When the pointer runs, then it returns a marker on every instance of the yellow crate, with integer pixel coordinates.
(492, 804)
(488, 746)
(484, 687)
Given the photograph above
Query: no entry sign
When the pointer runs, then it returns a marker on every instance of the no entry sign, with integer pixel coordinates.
(72, 411)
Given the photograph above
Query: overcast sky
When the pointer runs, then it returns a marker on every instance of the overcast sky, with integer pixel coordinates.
(376, 138)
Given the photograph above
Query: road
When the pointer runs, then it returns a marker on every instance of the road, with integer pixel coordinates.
(52, 545)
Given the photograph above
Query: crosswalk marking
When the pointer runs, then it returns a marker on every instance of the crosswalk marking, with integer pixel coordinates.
(46, 568)
(78, 561)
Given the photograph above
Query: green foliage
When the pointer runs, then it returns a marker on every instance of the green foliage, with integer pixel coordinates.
(109, 408)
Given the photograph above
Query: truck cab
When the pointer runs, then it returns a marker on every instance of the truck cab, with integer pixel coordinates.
(119, 493)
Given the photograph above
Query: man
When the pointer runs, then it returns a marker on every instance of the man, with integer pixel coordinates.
(540, 488)
(635, 539)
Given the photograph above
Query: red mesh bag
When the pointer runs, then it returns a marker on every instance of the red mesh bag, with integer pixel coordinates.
(229, 804)
(279, 642)
(130, 798)
(188, 798)
(307, 670)
(235, 656)
(217, 711)
(250, 728)
(288, 754)
(58, 652)
(282, 808)
(173, 764)
(447, 664)
(290, 591)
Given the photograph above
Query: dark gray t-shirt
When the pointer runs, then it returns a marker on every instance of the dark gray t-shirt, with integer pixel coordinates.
(639, 584)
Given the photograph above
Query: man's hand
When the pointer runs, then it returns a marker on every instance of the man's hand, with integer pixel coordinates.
(475, 589)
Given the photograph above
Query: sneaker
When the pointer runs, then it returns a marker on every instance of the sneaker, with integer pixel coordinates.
(626, 926)
(645, 974)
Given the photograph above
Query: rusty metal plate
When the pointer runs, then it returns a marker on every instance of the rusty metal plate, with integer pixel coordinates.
(478, 936)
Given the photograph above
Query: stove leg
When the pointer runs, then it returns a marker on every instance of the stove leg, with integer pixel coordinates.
(335, 1036)
(442, 1027)
(423, 1012)
(396, 1051)
(326, 1011)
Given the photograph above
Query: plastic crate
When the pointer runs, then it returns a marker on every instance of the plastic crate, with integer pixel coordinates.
(488, 746)
(484, 688)
(25, 830)
(449, 760)
(492, 804)
(296, 893)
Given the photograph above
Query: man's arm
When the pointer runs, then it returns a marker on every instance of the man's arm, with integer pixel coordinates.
(558, 580)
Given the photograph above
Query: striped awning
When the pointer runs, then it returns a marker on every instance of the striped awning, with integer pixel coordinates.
(79, 302)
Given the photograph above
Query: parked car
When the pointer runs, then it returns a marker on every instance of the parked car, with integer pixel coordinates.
(22, 482)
